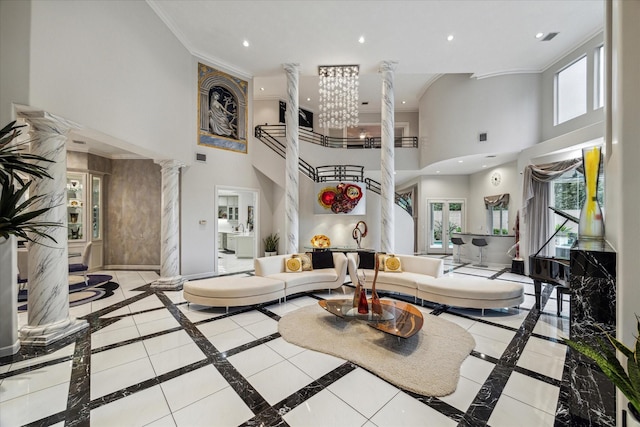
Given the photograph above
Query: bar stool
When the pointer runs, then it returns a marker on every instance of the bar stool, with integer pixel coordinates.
(458, 242)
(480, 242)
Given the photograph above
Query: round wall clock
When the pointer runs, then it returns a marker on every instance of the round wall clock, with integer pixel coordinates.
(496, 178)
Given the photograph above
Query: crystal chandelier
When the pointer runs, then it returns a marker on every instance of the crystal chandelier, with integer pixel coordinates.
(338, 88)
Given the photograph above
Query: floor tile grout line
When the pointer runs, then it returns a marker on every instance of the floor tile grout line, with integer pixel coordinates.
(251, 397)
(485, 401)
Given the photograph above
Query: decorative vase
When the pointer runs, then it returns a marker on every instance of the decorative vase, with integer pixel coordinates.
(376, 307)
(363, 304)
(356, 295)
(591, 225)
(74, 217)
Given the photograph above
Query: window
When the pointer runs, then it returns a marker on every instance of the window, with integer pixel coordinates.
(568, 194)
(599, 59)
(498, 219)
(571, 91)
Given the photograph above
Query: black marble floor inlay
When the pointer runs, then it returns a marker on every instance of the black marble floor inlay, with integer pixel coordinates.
(79, 403)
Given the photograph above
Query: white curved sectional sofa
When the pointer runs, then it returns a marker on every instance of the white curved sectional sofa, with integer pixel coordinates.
(273, 267)
(271, 282)
(423, 278)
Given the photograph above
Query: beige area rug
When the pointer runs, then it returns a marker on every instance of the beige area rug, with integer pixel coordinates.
(428, 363)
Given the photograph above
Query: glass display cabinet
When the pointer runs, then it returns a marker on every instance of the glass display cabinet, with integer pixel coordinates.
(76, 205)
(96, 208)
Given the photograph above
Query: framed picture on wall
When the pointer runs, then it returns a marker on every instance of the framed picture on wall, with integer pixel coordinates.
(305, 117)
(222, 110)
(347, 198)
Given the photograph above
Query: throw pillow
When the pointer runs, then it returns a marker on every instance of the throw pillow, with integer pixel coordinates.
(392, 264)
(322, 259)
(293, 265)
(367, 260)
(305, 259)
(381, 259)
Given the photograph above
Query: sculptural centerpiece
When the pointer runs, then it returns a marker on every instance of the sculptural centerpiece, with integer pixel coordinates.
(591, 225)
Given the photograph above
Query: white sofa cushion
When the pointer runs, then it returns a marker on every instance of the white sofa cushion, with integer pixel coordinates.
(478, 289)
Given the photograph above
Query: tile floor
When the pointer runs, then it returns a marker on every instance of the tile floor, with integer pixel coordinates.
(150, 359)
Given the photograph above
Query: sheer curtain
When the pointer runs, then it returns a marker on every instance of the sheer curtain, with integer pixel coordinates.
(535, 200)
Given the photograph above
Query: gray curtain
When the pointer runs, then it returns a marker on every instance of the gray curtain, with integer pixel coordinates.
(535, 200)
(499, 201)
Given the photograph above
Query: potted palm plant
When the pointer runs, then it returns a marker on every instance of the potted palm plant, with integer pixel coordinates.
(17, 219)
(271, 244)
(604, 355)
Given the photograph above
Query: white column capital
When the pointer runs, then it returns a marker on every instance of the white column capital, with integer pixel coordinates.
(43, 121)
(168, 164)
(388, 66)
(291, 67)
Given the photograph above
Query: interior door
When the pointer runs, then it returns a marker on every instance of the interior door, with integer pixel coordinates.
(446, 216)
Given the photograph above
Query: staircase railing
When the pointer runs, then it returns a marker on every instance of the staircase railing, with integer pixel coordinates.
(339, 142)
(324, 173)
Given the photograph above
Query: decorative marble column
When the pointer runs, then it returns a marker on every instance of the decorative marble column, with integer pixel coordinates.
(170, 278)
(48, 302)
(292, 203)
(387, 165)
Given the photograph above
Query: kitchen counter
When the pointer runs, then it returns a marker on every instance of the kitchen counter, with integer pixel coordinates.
(495, 252)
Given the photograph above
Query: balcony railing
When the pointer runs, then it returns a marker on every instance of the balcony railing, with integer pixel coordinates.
(280, 131)
(324, 173)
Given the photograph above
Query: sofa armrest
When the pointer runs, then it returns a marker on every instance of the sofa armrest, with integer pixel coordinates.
(423, 265)
(340, 262)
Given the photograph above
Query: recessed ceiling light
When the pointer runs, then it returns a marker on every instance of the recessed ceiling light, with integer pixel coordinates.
(450, 37)
(484, 166)
(539, 35)
(404, 102)
(460, 161)
(308, 99)
(262, 89)
(361, 39)
(245, 43)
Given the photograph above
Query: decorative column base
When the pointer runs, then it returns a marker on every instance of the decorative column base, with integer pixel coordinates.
(169, 283)
(40, 336)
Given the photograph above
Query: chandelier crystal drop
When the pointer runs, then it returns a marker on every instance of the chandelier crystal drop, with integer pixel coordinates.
(338, 90)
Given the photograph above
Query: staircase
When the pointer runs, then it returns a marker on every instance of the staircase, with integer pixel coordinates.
(270, 135)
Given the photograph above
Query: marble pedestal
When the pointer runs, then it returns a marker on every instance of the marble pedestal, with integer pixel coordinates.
(592, 396)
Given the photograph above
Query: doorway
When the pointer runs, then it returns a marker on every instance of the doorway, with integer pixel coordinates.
(446, 216)
(237, 240)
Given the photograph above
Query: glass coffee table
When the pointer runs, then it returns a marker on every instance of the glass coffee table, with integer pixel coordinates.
(398, 318)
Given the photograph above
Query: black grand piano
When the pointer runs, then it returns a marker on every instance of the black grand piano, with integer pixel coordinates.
(551, 269)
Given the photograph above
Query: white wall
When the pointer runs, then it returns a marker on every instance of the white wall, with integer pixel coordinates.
(15, 28)
(480, 186)
(435, 187)
(550, 131)
(116, 68)
(339, 227)
(456, 108)
(623, 197)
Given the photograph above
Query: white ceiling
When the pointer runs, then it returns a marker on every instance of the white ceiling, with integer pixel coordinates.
(490, 38)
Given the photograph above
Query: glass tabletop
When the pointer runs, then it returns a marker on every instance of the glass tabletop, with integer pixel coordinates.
(398, 318)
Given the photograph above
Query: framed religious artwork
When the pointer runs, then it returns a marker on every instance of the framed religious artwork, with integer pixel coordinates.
(222, 110)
